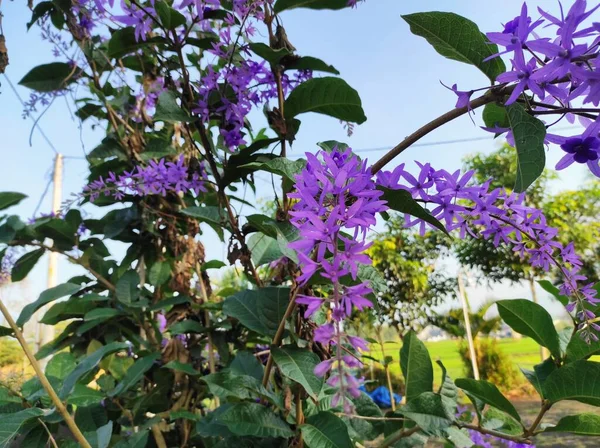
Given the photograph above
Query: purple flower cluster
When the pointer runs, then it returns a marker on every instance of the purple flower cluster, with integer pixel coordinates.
(501, 216)
(156, 178)
(6, 265)
(559, 73)
(336, 205)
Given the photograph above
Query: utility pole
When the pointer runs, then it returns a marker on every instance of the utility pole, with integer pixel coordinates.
(465, 306)
(45, 333)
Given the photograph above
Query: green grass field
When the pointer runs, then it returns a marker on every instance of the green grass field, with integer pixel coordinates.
(523, 352)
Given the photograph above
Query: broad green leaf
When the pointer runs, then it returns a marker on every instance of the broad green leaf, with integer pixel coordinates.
(10, 424)
(10, 198)
(36, 438)
(364, 429)
(280, 166)
(135, 373)
(328, 96)
(500, 421)
(25, 264)
(227, 385)
(263, 249)
(87, 364)
(587, 424)
(494, 115)
(282, 5)
(402, 201)
(529, 134)
(530, 319)
(169, 111)
(537, 377)
(579, 381)
(61, 365)
(49, 77)
(210, 214)
(127, 291)
(416, 367)
(448, 391)
(457, 38)
(67, 309)
(427, 411)
(549, 287)
(186, 326)
(271, 55)
(253, 419)
(459, 437)
(136, 440)
(181, 367)
(245, 363)
(102, 313)
(325, 430)
(49, 295)
(84, 396)
(169, 17)
(123, 42)
(310, 63)
(5, 331)
(299, 365)
(159, 273)
(580, 349)
(488, 393)
(260, 310)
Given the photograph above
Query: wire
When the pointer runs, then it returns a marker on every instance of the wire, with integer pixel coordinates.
(35, 123)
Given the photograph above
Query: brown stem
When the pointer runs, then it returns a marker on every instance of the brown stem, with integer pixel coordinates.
(279, 335)
(489, 97)
(299, 416)
(158, 436)
(43, 380)
(393, 438)
(490, 432)
(545, 408)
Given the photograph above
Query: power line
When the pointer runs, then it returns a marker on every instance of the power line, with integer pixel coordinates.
(35, 123)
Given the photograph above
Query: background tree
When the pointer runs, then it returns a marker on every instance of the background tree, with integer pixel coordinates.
(408, 261)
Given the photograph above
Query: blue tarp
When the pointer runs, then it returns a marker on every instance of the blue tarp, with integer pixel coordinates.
(381, 396)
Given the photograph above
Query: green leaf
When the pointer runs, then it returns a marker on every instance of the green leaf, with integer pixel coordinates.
(61, 365)
(181, 367)
(325, 430)
(159, 273)
(135, 373)
(84, 396)
(10, 424)
(263, 249)
(416, 367)
(271, 55)
(5, 331)
(254, 419)
(102, 313)
(281, 166)
(136, 440)
(187, 326)
(299, 365)
(68, 309)
(328, 96)
(448, 391)
(127, 291)
(488, 393)
(49, 295)
(282, 5)
(87, 364)
(587, 424)
(579, 381)
(364, 429)
(495, 115)
(169, 111)
(227, 385)
(245, 363)
(260, 310)
(310, 63)
(25, 264)
(211, 215)
(402, 201)
(9, 198)
(549, 287)
(457, 38)
(427, 411)
(529, 133)
(459, 437)
(49, 77)
(123, 42)
(169, 17)
(530, 319)
(580, 349)
(537, 377)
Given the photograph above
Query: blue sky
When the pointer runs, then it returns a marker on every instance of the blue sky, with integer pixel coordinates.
(396, 74)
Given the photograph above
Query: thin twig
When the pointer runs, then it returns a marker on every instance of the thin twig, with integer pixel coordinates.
(393, 438)
(43, 380)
